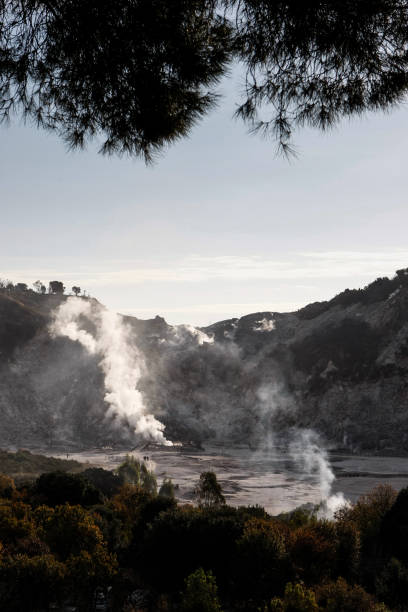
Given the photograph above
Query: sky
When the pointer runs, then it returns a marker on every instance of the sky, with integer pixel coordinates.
(219, 226)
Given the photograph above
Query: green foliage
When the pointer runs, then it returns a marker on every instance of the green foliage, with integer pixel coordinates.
(51, 555)
(167, 489)
(88, 570)
(348, 549)
(7, 486)
(341, 597)
(200, 593)
(23, 464)
(297, 598)
(105, 481)
(64, 553)
(262, 559)
(367, 517)
(30, 583)
(208, 492)
(134, 472)
(299, 517)
(392, 584)
(15, 522)
(59, 488)
(313, 551)
(68, 530)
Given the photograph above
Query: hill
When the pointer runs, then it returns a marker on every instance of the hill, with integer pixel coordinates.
(340, 367)
(24, 466)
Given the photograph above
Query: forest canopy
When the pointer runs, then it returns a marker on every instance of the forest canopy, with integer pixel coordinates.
(138, 74)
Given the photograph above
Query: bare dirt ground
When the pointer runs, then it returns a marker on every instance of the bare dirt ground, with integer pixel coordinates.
(268, 479)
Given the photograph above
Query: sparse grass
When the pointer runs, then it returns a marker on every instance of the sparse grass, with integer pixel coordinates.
(23, 465)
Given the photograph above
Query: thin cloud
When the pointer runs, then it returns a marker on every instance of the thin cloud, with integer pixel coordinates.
(197, 269)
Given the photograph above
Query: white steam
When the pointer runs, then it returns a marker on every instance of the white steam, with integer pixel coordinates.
(189, 333)
(313, 461)
(120, 362)
(264, 325)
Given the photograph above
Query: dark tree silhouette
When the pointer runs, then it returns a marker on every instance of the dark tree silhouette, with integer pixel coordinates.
(135, 72)
(139, 73)
(76, 290)
(311, 63)
(56, 287)
(57, 488)
(21, 287)
(208, 492)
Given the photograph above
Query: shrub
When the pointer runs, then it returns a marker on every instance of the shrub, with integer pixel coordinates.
(200, 594)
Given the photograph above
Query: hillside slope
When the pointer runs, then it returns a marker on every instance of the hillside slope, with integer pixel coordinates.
(340, 367)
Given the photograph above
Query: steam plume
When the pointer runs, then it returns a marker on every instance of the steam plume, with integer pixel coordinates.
(120, 362)
(313, 461)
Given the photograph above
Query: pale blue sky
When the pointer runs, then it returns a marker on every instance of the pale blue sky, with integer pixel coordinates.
(218, 227)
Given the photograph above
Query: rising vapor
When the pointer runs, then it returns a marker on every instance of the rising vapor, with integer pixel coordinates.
(120, 362)
(312, 460)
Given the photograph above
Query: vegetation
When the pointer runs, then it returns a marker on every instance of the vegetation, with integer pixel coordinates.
(140, 74)
(167, 489)
(208, 492)
(135, 472)
(26, 465)
(65, 538)
(378, 290)
(200, 594)
(55, 287)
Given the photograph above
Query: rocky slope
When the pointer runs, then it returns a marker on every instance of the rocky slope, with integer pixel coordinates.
(339, 367)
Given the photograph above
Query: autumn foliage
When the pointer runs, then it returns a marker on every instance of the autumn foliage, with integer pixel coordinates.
(129, 541)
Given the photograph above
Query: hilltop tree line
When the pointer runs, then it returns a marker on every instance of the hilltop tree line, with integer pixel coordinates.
(114, 537)
(380, 289)
(54, 288)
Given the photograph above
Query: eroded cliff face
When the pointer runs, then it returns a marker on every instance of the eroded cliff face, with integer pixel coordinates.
(340, 367)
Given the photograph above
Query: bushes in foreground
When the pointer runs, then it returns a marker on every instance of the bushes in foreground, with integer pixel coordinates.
(67, 538)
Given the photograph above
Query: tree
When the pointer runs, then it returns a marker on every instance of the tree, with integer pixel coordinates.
(134, 472)
(394, 527)
(200, 594)
(21, 287)
(57, 488)
(392, 584)
(7, 486)
(76, 290)
(104, 480)
(68, 530)
(167, 489)
(139, 74)
(56, 287)
(30, 583)
(208, 492)
(297, 598)
(262, 559)
(341, 597)
(368, 515)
